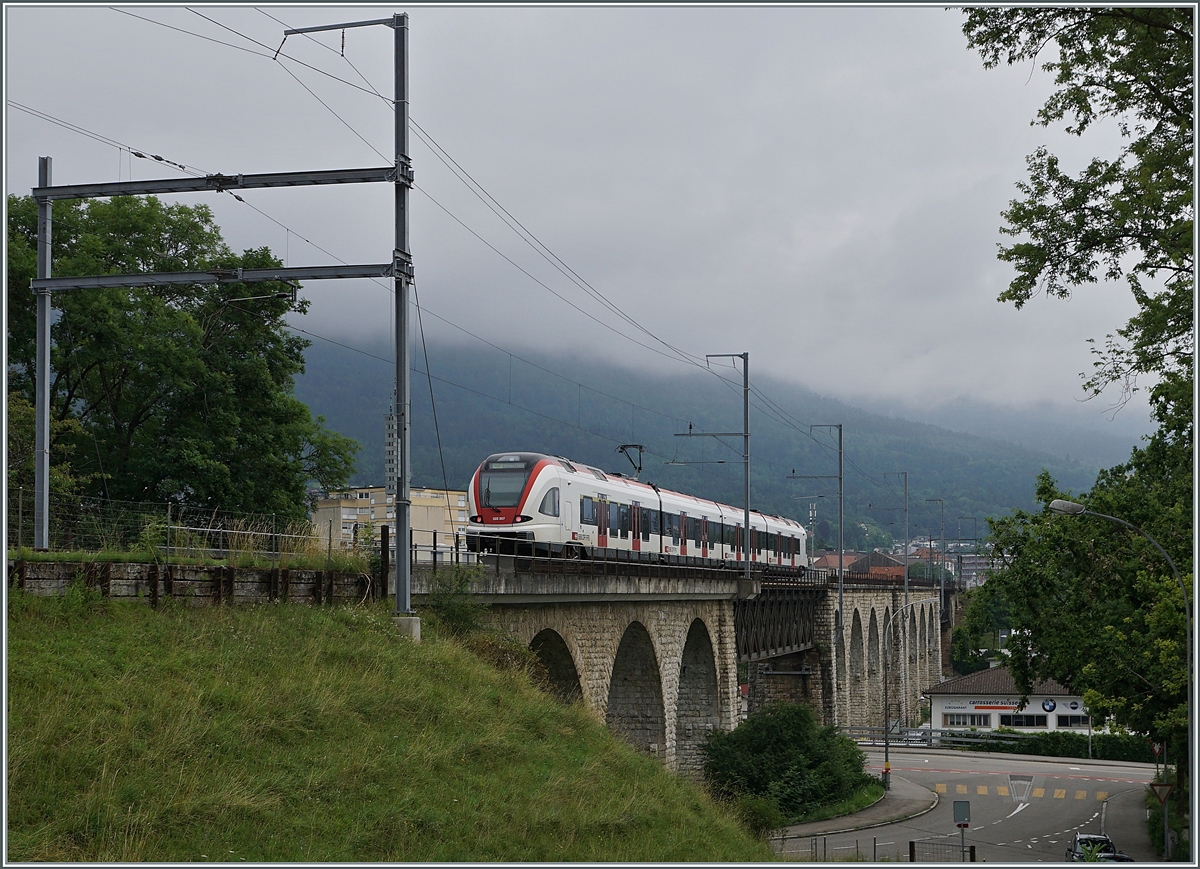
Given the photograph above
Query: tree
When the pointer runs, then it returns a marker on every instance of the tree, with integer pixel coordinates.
(1093, 605)
(181, 393)
(1131, 215)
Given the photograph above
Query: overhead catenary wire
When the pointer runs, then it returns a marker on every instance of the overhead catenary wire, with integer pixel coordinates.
(763, 403)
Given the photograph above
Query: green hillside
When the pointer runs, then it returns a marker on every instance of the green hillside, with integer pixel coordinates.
(488, 402)
(298, 734)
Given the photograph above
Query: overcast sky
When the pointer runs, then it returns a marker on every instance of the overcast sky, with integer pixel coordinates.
(819, 186)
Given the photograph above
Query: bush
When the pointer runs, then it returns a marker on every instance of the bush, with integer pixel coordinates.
(451, 603)
(759, 815)
(783, 755)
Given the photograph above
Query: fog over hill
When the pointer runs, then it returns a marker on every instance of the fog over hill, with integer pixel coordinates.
(489, 401)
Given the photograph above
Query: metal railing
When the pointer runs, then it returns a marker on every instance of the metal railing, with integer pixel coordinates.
(168, 532)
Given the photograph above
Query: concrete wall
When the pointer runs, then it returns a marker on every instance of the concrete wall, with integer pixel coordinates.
(200, 586)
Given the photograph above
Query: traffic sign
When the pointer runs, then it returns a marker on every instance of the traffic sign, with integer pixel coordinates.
(962, 813)
(1157, 746)
(1162, 791)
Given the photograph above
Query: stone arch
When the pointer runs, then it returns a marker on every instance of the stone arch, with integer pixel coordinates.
(635, 695)
(932, 664)
(873, 646)
(911, 639)
(856, 695)
(554, 654)
(697, 711)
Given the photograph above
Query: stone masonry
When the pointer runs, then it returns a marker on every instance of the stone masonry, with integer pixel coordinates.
(663, 673)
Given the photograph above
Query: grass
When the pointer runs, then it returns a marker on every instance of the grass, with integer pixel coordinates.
(290, 733)
(866, 796)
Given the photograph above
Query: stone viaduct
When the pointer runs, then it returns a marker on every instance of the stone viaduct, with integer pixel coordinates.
(654, 650)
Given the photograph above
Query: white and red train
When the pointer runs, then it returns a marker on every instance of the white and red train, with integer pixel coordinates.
(530, 503)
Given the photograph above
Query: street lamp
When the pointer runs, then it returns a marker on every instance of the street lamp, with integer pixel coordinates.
(887, 655)
(1070, 508)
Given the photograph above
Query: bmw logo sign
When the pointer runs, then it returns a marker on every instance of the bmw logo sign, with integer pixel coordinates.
(1048, 704)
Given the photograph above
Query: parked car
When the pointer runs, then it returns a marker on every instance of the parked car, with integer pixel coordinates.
(1094, 848)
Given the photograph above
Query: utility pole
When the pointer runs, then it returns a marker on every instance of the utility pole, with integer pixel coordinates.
(904, 631)
(41, 488)
(942, 545)
(841, 547)
(403, 277)
(745, 433)
(400, 268)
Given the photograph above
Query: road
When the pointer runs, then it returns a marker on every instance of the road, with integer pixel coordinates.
(1023, 809)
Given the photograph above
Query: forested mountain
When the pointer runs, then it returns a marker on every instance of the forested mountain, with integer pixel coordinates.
(488, 401)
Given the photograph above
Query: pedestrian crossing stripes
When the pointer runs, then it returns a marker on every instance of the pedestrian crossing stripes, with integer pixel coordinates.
(1034, 793)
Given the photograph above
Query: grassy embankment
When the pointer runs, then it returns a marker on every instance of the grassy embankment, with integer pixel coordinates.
(289, 733)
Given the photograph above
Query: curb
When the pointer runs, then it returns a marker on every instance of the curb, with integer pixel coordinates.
(783, 839)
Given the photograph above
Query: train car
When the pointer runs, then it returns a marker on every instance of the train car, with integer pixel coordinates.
(535, 504)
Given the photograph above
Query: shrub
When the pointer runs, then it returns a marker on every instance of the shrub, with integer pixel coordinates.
(782, 754)
(451, 603)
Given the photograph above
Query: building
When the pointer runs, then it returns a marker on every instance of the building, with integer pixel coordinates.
(974, 569)
(437, 517)
(989, 699)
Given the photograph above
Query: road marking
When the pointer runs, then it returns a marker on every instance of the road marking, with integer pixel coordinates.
(941, 789)
(981, 790)
(1001, 791)
(1102, 795)
(1039, 792)
(1059, 793)
(1019, 808)
(1081, 795)
(960, 789)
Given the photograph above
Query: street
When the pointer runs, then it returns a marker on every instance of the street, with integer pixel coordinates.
(1022, 809)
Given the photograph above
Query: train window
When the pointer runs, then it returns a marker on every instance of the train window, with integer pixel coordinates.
(614, 525)
(549, 505)
(695, 535)
(756, 540)
(624, 519)
(655, 526)
(673, 520)
(587, 510)
(714, 533)
(646, 519)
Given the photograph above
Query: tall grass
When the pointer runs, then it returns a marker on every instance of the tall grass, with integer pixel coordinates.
(289, 733)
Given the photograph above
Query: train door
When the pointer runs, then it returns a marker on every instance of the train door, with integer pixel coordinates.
(602, 522)
(683, 532)
(704, 537)
(635, 538)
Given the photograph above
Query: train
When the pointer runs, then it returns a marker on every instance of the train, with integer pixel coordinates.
(534, 504)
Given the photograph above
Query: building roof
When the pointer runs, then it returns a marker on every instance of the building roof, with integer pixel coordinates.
(997, 680)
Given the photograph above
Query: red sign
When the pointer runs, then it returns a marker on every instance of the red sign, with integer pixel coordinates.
(1157, 746)
(962, 826)
(1162, 791)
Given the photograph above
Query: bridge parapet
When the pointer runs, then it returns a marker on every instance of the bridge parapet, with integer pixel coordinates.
(508, 579)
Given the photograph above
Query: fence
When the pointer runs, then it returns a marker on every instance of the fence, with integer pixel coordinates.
(1054, 743)
(178, 533)
(940, 852)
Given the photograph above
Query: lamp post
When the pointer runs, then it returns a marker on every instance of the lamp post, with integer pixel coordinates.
(887, 656)
(1070, 508)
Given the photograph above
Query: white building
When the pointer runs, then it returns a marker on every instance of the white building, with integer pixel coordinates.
(989, 699)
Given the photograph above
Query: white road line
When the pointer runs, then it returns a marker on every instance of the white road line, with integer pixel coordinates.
(1019, 808)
